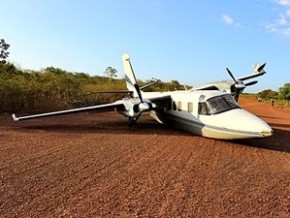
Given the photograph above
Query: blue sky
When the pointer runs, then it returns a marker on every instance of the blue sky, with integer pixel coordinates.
(189, 41)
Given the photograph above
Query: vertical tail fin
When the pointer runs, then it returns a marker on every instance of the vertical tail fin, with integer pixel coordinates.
(131, 80)
(259, 68)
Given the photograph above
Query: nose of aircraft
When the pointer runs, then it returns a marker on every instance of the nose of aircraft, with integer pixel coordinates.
(249, 122)
(243, 121)
(261, 127)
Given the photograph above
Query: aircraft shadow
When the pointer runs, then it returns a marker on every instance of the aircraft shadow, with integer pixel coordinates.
(277, 118)
(273, 125)
(280, 141)
(107, 127)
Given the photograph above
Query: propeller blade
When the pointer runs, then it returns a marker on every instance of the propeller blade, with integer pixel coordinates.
(237, 97)
(138, 91)
(130, 76)
(251, 83)
(261, 67)
(240, 86)
(230, 73)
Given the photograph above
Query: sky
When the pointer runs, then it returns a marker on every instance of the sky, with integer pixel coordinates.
(191, 41)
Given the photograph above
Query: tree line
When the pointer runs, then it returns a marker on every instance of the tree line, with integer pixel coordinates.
(282, 94)
(56, 89)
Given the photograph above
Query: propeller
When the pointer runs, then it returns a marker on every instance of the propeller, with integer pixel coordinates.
(239, 85)
(230, 73)
(138, 90)
(138, 106)
(142, 106)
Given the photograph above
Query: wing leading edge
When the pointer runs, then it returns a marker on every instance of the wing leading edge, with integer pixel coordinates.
(117, 104)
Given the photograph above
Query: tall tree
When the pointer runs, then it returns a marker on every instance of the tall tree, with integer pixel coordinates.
(284, 92)
(111, 72)
(267, 94)
(3, 51)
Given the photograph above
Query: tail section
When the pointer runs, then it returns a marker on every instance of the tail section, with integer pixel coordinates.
(130, 77)
(259, 68)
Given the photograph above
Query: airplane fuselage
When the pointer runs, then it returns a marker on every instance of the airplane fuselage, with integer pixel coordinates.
(219, 121)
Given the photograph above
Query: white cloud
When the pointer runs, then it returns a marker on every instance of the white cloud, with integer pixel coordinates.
(227, 19)
(283, 2)
(278, 29)
(230, 21)
(281, 24)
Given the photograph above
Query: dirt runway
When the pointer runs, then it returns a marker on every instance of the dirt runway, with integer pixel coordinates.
(92, 165)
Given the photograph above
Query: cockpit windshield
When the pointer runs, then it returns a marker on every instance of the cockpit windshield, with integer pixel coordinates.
(217, 105)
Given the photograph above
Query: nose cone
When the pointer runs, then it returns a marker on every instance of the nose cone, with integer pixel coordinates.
(247, 122)
(266, 131)
(260, 126)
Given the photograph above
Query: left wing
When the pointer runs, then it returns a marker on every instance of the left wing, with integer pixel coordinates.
(117, 104)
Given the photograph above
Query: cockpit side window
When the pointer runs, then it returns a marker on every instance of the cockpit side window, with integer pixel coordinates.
(230, 101)
(221, 104)
(202, 108)
(217, 105)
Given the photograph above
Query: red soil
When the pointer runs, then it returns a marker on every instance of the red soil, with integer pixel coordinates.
(91, 164)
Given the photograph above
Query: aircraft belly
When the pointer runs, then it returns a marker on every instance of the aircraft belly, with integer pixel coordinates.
(188, 125)
(227, 134)
(199, 128)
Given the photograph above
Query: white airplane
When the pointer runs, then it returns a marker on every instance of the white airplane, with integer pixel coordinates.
(209, 113)
(235, 86)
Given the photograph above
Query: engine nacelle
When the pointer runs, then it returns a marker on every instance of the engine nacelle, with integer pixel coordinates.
(134, 107)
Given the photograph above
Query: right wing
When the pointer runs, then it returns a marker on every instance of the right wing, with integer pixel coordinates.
(117, 104)
(258, 71)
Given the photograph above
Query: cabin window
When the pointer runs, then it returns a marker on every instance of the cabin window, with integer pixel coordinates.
(174, 105)
(179, 105)
(190, 107)
(202, 108)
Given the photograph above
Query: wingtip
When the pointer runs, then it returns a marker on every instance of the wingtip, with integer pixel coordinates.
(15, 118)
(126, 56)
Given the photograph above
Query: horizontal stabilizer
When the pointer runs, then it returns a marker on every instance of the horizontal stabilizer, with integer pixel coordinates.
(258, 71)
